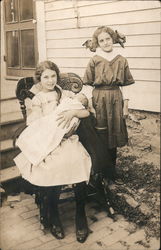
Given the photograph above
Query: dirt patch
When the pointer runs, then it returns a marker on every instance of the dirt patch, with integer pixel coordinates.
(140, 195)
(139, 167)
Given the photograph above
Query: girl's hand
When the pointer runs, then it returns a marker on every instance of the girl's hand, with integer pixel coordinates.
(65, 117)
(93, 111)
(72, 130)
(125, 109)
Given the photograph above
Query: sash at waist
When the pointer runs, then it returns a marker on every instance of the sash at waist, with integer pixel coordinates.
(108, 87)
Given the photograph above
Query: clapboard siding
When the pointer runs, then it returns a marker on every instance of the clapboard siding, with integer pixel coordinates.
(146, 40)
(110, 8)
(115, 19)
(144, 96)
(59, 5)
(146, 75)
(142, 63)
(128, 52)
(60, 14)
(118, 7)
(128, 29)
(138, 20)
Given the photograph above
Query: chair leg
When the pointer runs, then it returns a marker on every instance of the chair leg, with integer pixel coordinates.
(107, 193)
(103, 192)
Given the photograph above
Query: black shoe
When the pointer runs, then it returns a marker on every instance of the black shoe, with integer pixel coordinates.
(44, 223)
(82, 234)
(82, 230)
(57, 232)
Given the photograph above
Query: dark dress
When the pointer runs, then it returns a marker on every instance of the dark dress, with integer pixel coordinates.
(107, 77)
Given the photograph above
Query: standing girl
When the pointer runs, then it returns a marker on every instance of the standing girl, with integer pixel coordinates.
(107, 71)
(68, 163)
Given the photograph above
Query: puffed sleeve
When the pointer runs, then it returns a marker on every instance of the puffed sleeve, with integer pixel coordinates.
(89, 75)
(128, 79)
(36, 110)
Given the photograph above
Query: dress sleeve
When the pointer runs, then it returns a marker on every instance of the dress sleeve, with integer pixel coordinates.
(36, 110)
(128, 80)
(89, 75)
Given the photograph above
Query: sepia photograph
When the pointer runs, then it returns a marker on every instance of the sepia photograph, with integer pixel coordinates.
(80, 125)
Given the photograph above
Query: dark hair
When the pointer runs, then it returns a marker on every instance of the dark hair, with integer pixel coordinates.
(101, 29)
(41, 67)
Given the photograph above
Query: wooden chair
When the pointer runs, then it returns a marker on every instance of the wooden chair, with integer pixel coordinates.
(71, 82)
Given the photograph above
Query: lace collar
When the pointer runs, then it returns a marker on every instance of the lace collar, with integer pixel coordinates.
(108, 56)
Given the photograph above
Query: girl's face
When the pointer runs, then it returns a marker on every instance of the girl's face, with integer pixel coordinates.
(105, 42)
(48, 80)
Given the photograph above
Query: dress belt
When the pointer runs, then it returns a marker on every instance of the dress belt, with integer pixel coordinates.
(106, 87)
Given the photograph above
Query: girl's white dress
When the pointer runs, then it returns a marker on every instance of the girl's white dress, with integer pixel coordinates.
(68, 163)
(46, 129)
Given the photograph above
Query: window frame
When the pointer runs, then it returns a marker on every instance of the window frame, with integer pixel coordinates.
(20, 25)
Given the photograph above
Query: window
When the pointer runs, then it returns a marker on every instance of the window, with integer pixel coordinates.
(20, 35)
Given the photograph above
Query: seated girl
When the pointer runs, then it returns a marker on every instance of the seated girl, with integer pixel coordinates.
(47, 129)
(68, 163)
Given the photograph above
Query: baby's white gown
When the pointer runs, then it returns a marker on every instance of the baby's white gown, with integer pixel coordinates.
(68, 163)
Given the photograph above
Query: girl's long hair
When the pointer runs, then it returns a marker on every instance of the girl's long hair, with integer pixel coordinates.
(101, 29)
(41, 67)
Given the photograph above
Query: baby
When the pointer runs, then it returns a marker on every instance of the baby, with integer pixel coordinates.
(82, 98)
(49, 132)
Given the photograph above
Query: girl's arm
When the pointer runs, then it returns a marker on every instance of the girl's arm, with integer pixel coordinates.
(36, 111)
(89, 75)
(65, 117)
(127, 75)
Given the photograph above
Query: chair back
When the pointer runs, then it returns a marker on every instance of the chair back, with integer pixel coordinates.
(23, 91)
(68, 81)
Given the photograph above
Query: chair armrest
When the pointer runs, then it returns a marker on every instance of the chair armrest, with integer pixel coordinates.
(71, 82)
(23, 91)
(23, 88)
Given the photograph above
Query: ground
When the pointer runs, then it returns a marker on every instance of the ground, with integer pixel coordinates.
(136, 203)
(139, 165)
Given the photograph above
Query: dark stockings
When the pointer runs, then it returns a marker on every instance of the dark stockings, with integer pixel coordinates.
(47, 199)
(109, 164)
(80, 217)
(112, 173)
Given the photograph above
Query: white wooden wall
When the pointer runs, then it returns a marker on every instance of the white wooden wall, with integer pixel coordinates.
(138, 20)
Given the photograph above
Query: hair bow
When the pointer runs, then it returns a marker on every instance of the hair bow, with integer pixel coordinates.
(120, 38)
(90, 45)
